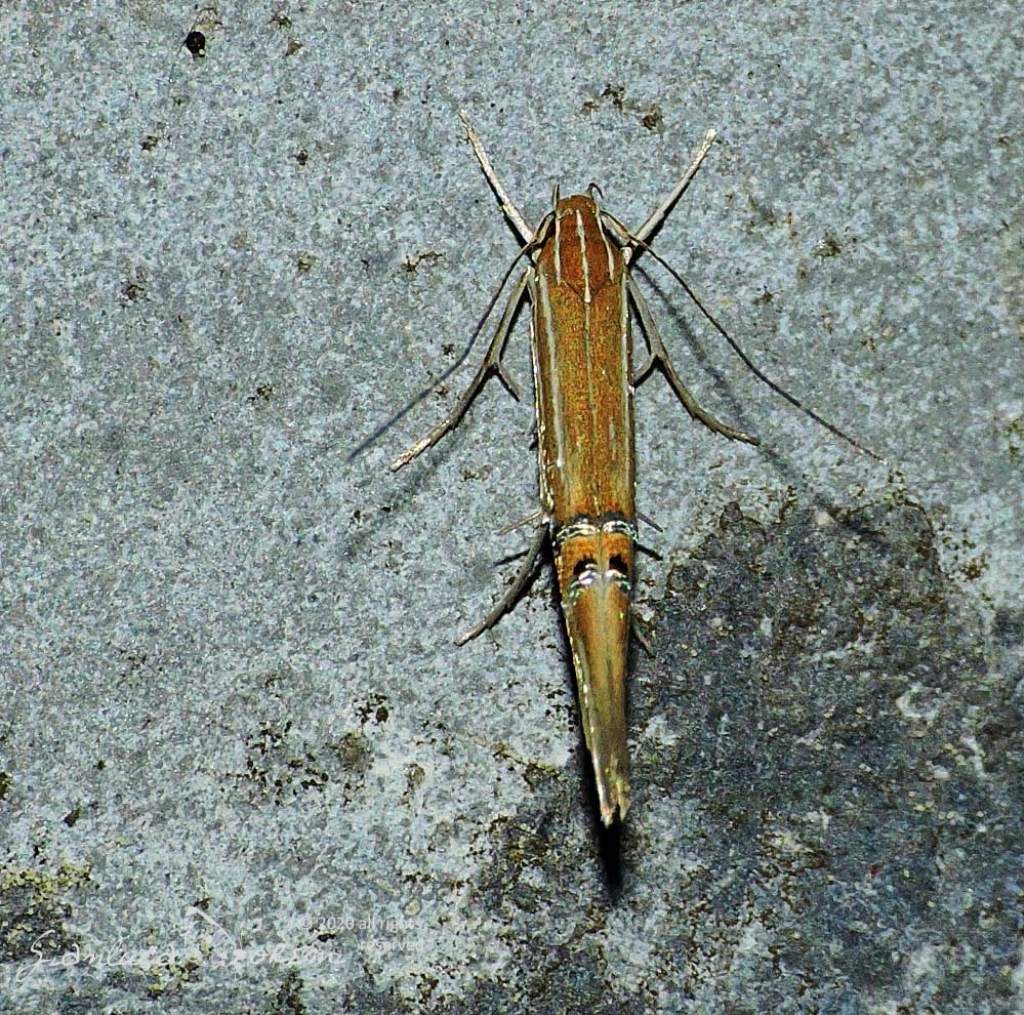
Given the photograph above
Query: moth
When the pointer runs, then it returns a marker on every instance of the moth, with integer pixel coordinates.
(583, 297)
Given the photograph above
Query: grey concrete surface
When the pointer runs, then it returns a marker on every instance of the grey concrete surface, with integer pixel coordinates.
(243, 768)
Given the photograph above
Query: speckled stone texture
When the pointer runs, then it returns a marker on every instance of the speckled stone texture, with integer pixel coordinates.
(243, 767)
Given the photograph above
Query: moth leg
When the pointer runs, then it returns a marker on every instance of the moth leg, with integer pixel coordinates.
(641, 638)
(490, 365)
(659, 356)
(508, 600)
(534, 516)
(647, 519)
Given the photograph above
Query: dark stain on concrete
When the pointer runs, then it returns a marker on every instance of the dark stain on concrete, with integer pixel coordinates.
(847, 755)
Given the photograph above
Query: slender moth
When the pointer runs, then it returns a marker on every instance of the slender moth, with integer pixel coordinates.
(579, 285)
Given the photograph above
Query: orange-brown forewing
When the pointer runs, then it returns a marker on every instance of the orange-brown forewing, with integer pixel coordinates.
(582, 367)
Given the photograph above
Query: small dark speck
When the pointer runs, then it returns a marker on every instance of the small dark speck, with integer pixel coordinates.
(375, 706)
(654, 120)
(829, 247)
(617, 94)
(448, 348)
(195, 43)
(765, 298)
(264, 392)
(132, 291)
(427, 256)
(71, 818)
(302, 157)
(293, 47)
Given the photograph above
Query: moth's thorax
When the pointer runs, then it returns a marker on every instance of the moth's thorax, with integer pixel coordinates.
(578, 252)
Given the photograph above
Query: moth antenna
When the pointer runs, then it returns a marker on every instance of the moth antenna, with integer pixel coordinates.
(512, 213)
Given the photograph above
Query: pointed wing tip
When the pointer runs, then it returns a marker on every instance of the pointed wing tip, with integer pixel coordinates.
(615, 806)
(613, 816)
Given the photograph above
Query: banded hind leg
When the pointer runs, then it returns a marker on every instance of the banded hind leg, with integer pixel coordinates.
(659, 357)
(636, 243)
(516, 589)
